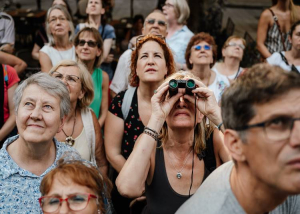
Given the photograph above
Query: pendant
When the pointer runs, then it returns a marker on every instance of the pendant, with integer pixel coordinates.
(179, 175)
(70, 141)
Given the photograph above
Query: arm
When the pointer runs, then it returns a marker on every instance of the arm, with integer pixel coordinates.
(262, 30)
(45, 62)
(106, 49)
(35, 52)
(141, 161)
(221, 153)
(99, 147)
(8, 48)
(104, 102)
(113, 132)
(18, 64)
(11, 121)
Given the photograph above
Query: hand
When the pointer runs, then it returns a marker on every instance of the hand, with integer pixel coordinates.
(109, 58)
(206, 102)
(161, 106)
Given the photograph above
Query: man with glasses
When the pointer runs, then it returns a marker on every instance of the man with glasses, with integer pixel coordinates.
(155, 24)
(261, 114)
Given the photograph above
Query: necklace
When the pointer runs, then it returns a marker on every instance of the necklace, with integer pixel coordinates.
(69, 139)
(179, 174)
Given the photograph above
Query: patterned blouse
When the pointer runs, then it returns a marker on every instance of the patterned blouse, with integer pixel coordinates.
(19, 188)
(133, 125)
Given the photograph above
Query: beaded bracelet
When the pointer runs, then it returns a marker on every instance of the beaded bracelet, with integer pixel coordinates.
(151, 134)
(147, 128)
(219, 126)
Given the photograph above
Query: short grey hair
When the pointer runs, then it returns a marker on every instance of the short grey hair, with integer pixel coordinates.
(68, 17)
(51, 85)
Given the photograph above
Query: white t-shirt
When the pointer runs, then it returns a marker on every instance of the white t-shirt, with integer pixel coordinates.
(231, 77)
(56, 56)
(276, 59)
(219, 85)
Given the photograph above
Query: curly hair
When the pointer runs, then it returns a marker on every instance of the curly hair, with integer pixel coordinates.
(206, 37)
(134, 79)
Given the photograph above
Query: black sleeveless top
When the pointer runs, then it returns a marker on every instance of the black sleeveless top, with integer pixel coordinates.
(161, 198)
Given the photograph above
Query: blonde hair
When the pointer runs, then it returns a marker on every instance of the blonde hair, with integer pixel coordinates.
(203, 130)
(294, 15)
(182, 11)
(85, 78)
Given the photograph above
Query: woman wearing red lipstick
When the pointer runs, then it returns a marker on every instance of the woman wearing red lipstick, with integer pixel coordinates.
(164, 163)
(151, 62)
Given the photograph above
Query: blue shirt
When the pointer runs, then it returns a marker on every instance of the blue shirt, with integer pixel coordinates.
(19, 188)
(108, 33)
(178, 43)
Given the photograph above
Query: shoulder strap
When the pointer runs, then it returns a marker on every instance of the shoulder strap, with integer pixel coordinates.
(2, 94)
(277, 23)
(127, 99)
(284, 59)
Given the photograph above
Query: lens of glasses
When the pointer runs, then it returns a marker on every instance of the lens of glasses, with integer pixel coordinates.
(279, 128)
(78, 202)
(161, 23)
(206, 47)
(50, 204)
(90, 43)
(151, 21)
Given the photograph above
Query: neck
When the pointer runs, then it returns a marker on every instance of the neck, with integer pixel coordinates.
(254, 196)
(180, 141)
(71, 115)
(283, 5)
(62, 43)
(231, 65)
(147, 90)
(173, 26)
(89, 65)
(95, 20)
(201, 71)
(294, 53)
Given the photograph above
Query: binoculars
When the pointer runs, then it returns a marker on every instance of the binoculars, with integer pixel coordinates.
(189, 85)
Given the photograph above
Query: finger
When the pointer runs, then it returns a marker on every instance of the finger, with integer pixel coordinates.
(174, 99)
(161, 91)
(162, 85)
(203, 92)
(189, 98)
(199, 83)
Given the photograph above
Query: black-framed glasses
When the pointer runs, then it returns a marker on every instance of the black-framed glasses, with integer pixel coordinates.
(139, 38)
(199, 47)
(276, 129)
(159, 22)
(75, 202)
(70, 79)
(90, 43)
(233, 44)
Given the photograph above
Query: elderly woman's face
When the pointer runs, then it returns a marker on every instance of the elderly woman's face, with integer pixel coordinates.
(234, 49)
(38, 116)
(64, 187)
(87, 52)
(58, 23)
(169, 10)
(151, 63)
(201, 54)
(70, 75)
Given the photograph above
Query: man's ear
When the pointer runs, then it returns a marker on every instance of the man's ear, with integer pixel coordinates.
(62, 122)
(234, 145)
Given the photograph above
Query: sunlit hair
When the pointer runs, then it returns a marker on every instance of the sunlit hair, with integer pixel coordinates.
(85, 78)
(95, 33)
(182, 11)
(234, 37)
(134, 79)
(203, 130)
(206, 37)
(81, 173)
(294, 16)
(52, 86)
(67, 16)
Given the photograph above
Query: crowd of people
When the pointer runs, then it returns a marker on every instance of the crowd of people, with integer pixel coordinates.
(171, 130)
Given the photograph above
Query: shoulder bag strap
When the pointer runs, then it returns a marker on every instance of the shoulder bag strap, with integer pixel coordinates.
(284, 59)
(277, 23)
(127, 99)
(2, 94)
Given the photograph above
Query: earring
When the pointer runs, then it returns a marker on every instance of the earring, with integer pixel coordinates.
(99, 212)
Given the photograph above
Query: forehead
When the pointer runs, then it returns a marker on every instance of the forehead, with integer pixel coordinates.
(87, 36)
(37, 93)
(57, 12)
(235, 40)
(297, 29)
(96, 1)
(61, 2)
(70, 70)
(157, 16)
(201, 43)
(151, 46)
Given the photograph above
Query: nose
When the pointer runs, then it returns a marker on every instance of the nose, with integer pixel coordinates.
(64, 80)
(63, 207)
(150, 60)
(181, 103)
(36, 113)
(295, 134)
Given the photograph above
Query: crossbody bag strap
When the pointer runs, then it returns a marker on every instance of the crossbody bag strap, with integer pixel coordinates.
(284, 59)
(128, 96)
(2, 94)
(277, 23)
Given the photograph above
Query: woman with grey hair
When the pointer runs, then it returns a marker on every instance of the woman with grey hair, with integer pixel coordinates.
(60, 32)
(177, 12)
(81, 128)
(41, 103)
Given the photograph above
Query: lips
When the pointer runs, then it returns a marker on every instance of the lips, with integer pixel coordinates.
(35, 126)
(177, 113)
(150, 70)
(295, 161)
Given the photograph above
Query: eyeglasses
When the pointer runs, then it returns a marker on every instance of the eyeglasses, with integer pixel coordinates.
(139, 38)
(159, 22)
(54, 19)
(276, 129)
(70, 79)
(90, 43)
(76, 202)
(199, 47)
(167, 5)
(232, 44)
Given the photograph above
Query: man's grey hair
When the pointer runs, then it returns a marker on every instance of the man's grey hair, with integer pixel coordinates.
(49, 84)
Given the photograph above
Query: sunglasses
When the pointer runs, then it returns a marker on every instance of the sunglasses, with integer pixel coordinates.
(232, 44)
(159, 22)
(199, 47)
(140, 38)
(90, 43)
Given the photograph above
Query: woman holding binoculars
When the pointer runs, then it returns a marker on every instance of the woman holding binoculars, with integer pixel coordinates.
(171, 165)
(151, 62)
